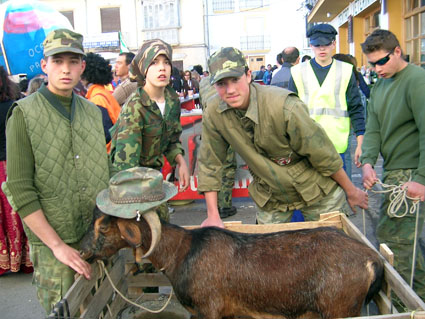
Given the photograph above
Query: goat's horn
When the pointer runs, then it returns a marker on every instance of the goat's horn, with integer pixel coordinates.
(152, 219)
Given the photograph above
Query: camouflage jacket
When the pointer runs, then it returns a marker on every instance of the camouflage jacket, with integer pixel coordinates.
(142, 135)
(289, 155)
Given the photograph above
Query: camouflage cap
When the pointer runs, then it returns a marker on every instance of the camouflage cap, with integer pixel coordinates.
(145, 55)
(63, 40)
(225, 63)
(133, 190)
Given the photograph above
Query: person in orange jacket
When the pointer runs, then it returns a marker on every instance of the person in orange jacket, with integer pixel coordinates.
(97, 74)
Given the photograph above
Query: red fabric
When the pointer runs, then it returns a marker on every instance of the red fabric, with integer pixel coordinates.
(14, 248)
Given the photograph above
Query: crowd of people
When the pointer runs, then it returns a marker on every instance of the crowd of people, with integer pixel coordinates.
(86, 122)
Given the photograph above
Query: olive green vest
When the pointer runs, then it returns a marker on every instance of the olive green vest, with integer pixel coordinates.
(71, 163)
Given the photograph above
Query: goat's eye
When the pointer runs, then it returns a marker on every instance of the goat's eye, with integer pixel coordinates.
(104, 228)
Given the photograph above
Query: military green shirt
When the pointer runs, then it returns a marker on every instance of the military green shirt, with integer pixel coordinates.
(142, 135)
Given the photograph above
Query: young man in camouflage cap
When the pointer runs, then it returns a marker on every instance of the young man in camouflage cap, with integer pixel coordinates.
(56, 165)
(293, 163)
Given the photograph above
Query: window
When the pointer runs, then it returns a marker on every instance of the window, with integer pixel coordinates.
(223, 5)
(371, 22)
(110, 19)
(160, 14)
(414, 28)
(70, 16)
(255, 42)
(255, 37)
(251, 4)
(161, 20)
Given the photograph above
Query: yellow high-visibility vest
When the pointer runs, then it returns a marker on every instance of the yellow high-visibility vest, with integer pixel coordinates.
(327, 104)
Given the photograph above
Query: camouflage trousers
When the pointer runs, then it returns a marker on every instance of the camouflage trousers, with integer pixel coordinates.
(224, 199)
(51, 277)
(334, 201)
(399, 235)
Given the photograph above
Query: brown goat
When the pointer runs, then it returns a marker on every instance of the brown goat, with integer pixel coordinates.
(217, 273)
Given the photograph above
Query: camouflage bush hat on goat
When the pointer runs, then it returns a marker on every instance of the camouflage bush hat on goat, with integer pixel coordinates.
(144, 57)
(63, 40)
(225, 63)
(134, 189)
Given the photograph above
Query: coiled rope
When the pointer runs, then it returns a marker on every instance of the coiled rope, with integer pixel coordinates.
(398, 198)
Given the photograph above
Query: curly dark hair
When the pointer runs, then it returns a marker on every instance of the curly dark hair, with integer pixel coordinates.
(98, 70)
(9, 90)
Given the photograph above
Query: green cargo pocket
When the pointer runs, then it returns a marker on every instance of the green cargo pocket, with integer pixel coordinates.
(261, 194)
(305, 181)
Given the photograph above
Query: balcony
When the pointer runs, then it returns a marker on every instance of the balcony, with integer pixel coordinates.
(255, 43)
(325, 10)
(169, 35)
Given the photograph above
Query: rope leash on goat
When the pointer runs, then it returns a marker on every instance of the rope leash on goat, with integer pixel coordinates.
(398, 198)
(103, 268)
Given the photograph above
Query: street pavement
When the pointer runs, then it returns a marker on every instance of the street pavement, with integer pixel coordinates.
(18, 298)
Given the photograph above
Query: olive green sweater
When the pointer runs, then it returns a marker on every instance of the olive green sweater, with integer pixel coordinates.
(396, 123)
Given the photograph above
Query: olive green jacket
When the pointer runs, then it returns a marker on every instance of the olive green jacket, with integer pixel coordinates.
(70, 164)
(289, 155)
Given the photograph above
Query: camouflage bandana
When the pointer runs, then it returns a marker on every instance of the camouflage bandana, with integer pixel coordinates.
(134, 190)
(144, 57)
(226, 63)
(63, 40)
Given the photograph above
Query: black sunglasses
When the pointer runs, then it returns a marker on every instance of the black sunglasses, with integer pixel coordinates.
(382, 61)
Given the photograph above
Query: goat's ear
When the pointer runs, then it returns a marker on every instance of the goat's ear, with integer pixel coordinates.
(130, 232)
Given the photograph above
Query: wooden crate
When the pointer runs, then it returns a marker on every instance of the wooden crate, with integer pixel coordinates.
(95, 298)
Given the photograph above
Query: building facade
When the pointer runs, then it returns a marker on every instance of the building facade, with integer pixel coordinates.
(104, 22)
(355, 20)
(195, 28)
(260, 28)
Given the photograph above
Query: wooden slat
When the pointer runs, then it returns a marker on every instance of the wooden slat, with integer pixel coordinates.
(384, 303)
(334, 216)
(110, 307)
(80, 290)
(118, 303)
(389, 256)
(105, 291)
(397, 283)
(268, 228)
(148, 280)
(404, 315)
(383, 299)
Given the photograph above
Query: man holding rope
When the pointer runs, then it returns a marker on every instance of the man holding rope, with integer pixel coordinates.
(396, 129)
